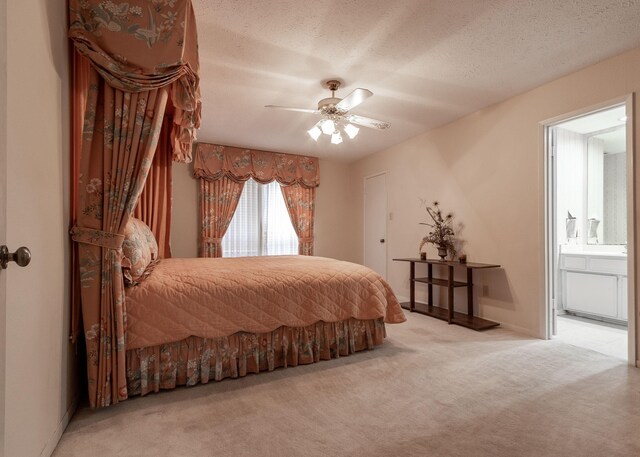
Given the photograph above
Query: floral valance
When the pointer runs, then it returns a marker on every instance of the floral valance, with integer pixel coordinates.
(141, 45)
(213, 161)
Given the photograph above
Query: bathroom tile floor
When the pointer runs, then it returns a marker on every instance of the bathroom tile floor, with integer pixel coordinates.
(603, 337)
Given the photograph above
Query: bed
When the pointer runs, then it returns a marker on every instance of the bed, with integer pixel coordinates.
(196, 320)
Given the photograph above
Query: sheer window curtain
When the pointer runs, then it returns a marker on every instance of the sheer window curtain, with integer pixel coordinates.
(243, 235)
(261, 224)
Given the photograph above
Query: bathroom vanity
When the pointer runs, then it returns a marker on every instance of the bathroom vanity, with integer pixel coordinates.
(594, 282)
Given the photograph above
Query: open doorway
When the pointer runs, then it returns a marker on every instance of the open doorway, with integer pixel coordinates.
(588, 219)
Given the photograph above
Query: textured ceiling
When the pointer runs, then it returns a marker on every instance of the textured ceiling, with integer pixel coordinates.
(427, 62)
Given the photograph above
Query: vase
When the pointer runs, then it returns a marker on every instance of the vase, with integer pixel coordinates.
(442, 252)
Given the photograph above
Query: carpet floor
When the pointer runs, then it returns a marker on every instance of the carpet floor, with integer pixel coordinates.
(430, 390)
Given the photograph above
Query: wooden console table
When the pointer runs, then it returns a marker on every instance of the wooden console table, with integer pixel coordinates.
(447, 314)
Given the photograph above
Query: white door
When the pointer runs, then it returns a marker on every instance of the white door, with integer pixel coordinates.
(38, 365)
(375, 223)
(3, 209)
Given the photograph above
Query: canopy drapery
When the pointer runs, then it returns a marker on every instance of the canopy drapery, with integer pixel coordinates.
(155, 203)
(118, 147)
(143, 56)
(80, 80)
(141, 45)
(223, 170)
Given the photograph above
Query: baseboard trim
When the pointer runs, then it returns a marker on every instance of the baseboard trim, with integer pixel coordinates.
(522, 330)
(55, 438)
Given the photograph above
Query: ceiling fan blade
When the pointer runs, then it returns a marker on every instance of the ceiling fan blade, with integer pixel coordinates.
(300, 110)
(367, 122)
(354, 99)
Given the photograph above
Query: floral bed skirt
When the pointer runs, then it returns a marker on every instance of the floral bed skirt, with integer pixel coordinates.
(195, 359)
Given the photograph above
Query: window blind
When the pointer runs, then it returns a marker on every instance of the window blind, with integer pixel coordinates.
(261, 224)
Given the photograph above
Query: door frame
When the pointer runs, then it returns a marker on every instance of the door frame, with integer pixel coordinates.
(629, 102)
(386, 219)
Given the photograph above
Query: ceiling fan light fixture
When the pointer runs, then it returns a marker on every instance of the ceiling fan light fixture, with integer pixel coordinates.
(351, 130)
(335, 114)
(314, 133)
(328, 127)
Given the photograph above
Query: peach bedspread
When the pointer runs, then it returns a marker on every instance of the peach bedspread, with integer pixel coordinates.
(213, 298)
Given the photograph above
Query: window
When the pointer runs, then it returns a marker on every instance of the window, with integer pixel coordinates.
(261, 224)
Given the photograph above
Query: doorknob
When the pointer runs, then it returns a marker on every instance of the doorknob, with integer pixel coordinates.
(382, 240)
(22, 256)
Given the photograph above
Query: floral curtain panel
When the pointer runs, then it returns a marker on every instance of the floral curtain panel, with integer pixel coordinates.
(213, 161)
(300, 203)
(81, 73)
(119, 140)
(155, 204)
(140, 45)
(218, 201)
(219, 167)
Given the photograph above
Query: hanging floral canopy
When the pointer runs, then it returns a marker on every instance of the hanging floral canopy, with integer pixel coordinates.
(141, 45)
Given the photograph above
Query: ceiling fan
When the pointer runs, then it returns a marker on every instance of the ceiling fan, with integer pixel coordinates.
(335, 114)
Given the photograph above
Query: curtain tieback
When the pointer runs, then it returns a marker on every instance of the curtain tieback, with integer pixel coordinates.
(306, 240)
(97, 237)
(210, 240)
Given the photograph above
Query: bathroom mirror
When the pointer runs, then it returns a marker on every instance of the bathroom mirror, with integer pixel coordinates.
(606, 187)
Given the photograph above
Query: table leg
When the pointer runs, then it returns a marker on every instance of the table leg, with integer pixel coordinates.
(450, 295)
(412, 287)
(430, 286)
(470, 291)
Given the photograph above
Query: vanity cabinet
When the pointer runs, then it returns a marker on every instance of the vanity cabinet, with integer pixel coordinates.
(594, 284)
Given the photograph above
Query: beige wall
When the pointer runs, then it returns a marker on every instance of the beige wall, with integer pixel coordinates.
(332, 237)
(488, 169)
(184, 216)
(39, 358)
(334, 210)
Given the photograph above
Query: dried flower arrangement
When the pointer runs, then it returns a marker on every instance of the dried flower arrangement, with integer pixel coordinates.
(441, 235)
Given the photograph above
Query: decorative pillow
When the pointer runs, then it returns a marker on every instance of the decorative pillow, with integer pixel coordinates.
(140, 250)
